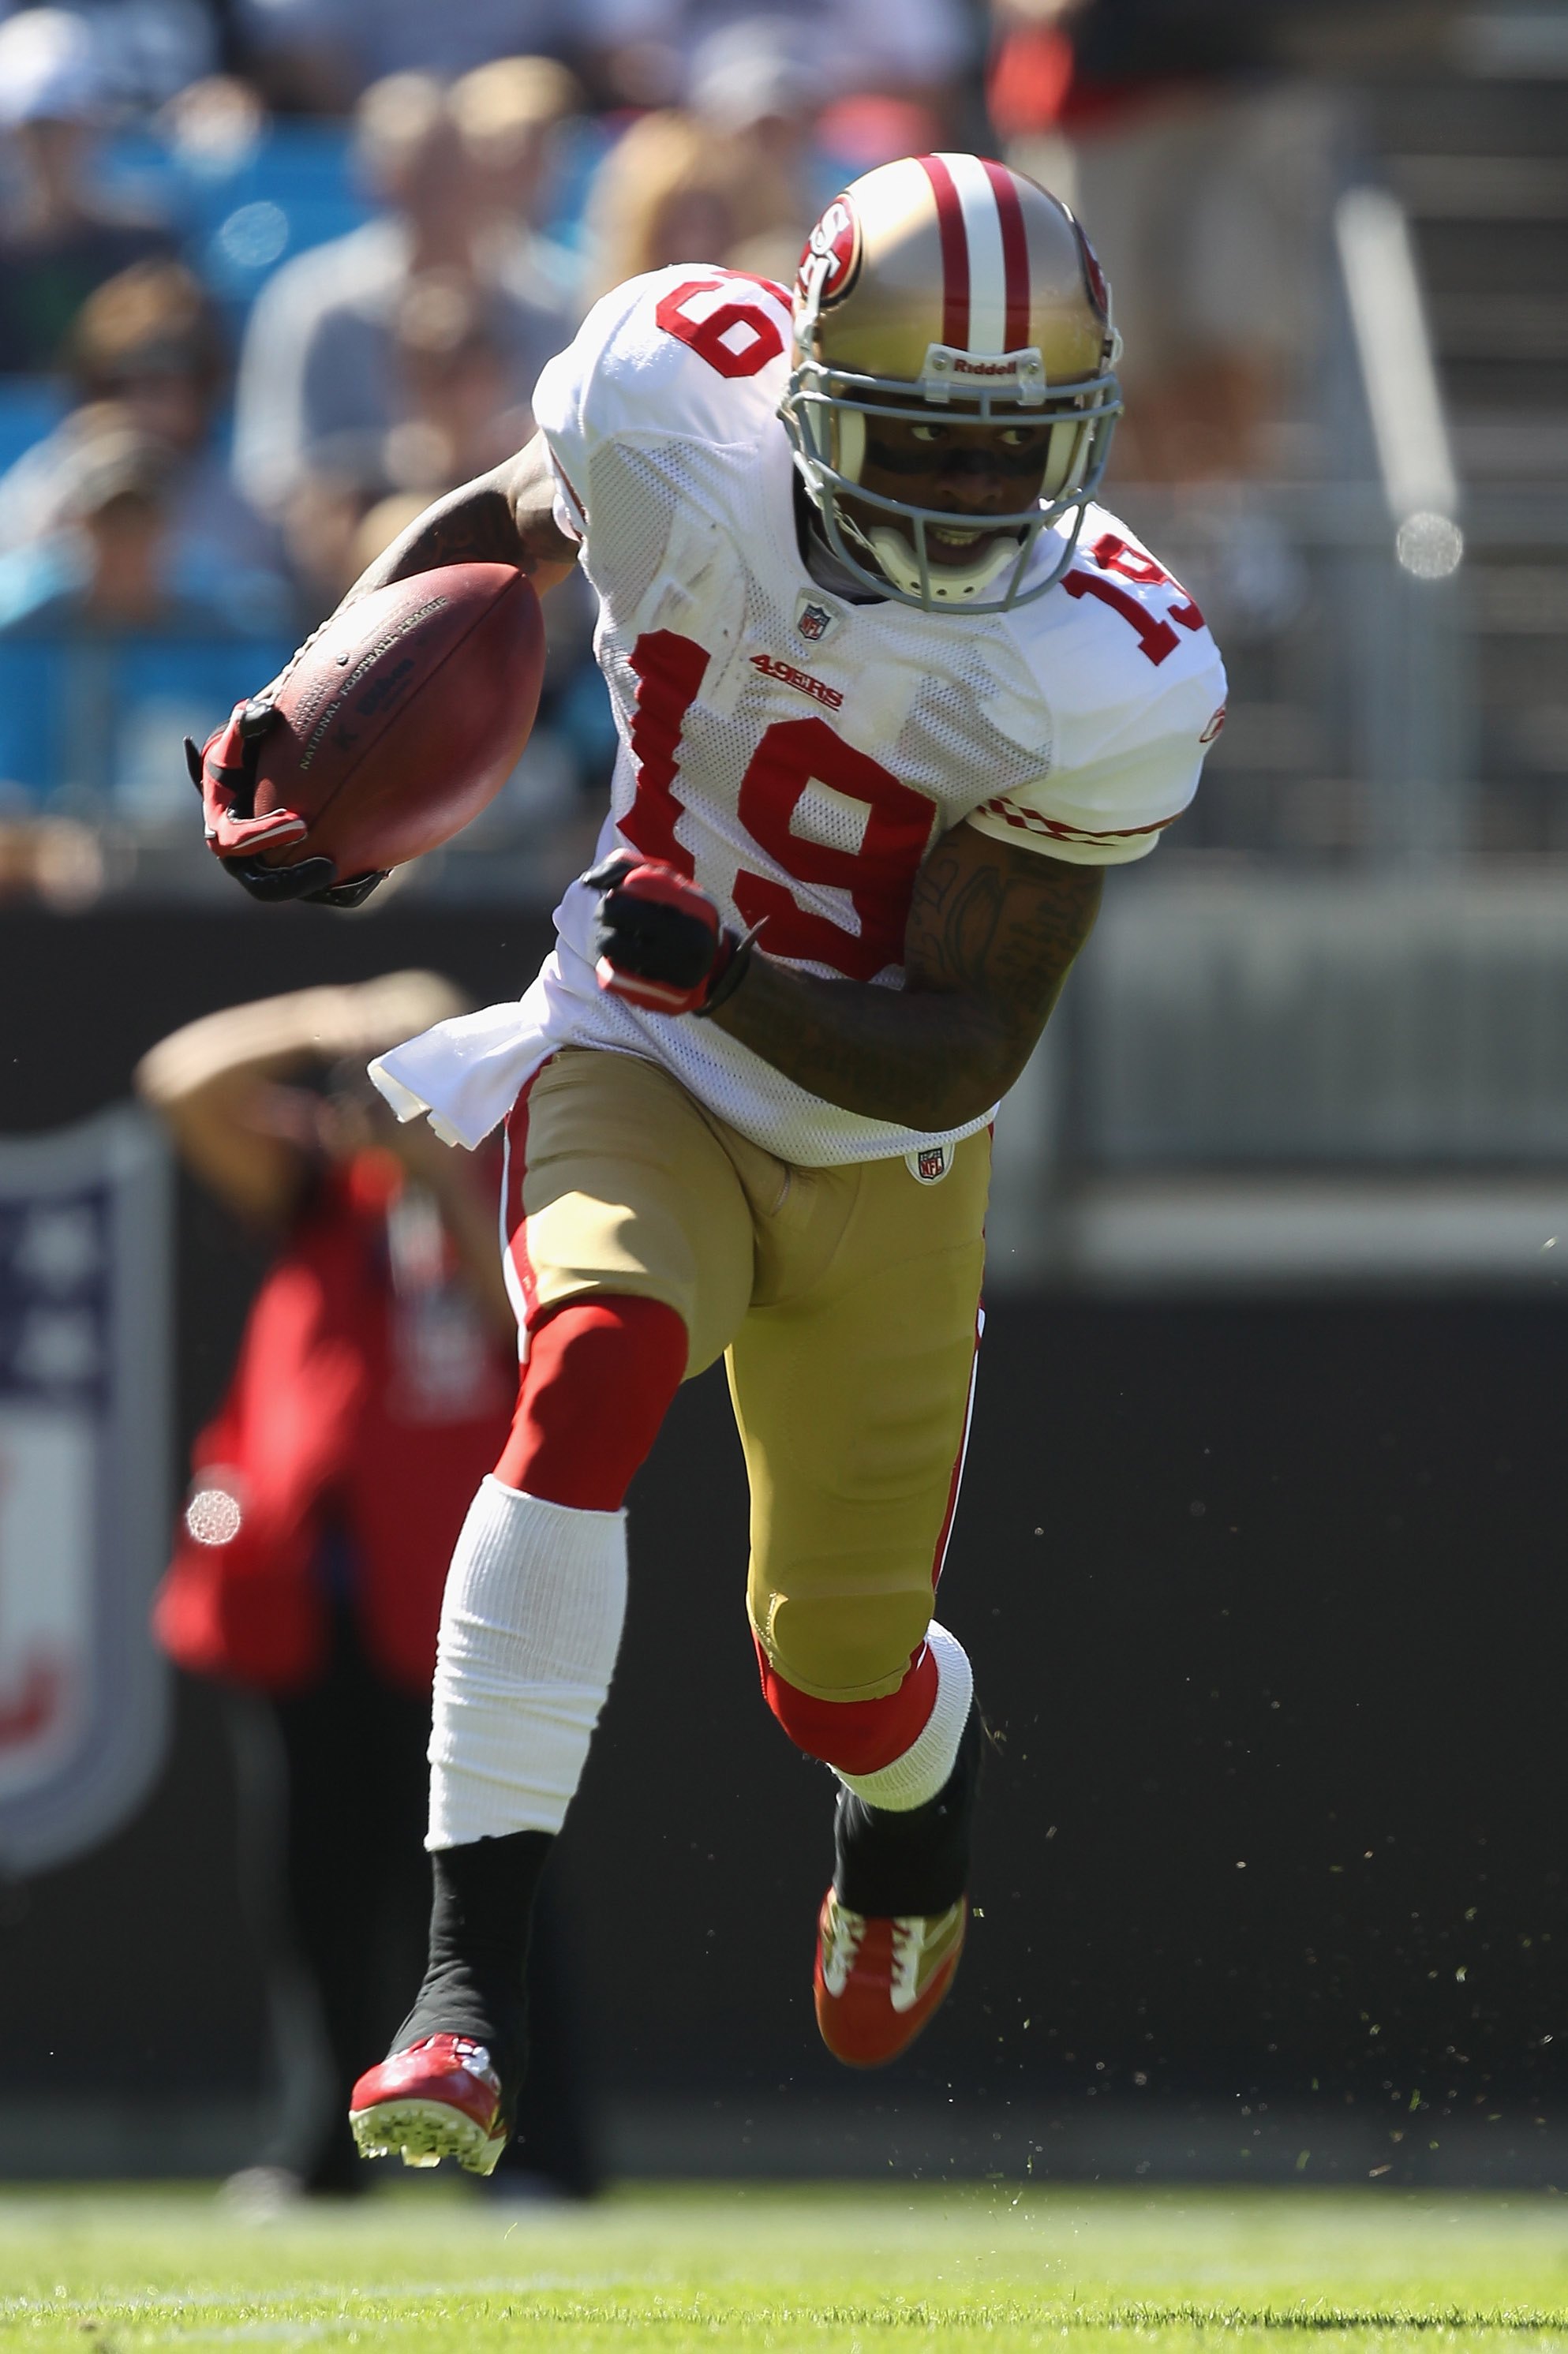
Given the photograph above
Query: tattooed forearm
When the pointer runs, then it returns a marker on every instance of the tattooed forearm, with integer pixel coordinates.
(503, 517)
(991, 934)
(470, 525)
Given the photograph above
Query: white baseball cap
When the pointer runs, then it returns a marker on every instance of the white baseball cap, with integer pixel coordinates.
(48, 68)
(747, 71)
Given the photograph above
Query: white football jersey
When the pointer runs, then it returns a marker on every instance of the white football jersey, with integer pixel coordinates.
(796, 753)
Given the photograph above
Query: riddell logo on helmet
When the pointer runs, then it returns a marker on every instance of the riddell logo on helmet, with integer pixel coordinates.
(962, 367)
(831, 263)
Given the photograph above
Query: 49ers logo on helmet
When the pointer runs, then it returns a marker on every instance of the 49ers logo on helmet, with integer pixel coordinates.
(830, 262)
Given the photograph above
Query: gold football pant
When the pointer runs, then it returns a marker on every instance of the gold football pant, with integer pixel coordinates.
(845, 1303)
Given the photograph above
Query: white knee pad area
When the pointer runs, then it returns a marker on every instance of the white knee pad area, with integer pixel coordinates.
(920, 1773)
(530, 1627)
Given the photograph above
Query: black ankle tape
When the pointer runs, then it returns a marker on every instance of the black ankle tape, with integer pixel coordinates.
(481, 1911)
(888, 1863)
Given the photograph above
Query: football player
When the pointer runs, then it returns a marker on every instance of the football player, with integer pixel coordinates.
(892, 691)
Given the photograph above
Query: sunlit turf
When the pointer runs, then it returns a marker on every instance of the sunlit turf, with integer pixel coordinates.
(828, 2267)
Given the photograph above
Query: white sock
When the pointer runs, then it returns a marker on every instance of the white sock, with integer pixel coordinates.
(920, 1773)
(530, 1625)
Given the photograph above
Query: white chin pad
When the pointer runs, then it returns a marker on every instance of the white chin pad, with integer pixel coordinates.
(950, 584)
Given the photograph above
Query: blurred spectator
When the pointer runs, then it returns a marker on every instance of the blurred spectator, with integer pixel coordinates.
(918, 48)
(108, 652)
(456, 421)
(213, 126)
(374, 1385)
(375, 532)
(1201, 178)
(768, 74)
(150, 49)
(677, 187)
(321, 54)
(112, 564)
(453, 401)
(116, 495)
(319, 384)
(58, 238)
(854, 134)
(509, 115)
(321, 523)
(810, 106)
(756, 86)
(668, 191)
(54, 860)
(151, 341)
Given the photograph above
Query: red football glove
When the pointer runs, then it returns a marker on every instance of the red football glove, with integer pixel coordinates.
(223, 774)
(657, 939)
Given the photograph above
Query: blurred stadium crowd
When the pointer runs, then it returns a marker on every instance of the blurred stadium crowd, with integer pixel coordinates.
(273, 278)
(273, 273)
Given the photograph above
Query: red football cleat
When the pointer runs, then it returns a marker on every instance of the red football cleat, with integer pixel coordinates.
(879, 1981)
(440, 2098)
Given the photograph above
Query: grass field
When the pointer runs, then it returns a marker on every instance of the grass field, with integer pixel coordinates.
(828, 2267)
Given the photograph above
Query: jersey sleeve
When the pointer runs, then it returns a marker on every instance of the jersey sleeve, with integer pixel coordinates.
(1109, 811)
(690, 352)
(1136, 697)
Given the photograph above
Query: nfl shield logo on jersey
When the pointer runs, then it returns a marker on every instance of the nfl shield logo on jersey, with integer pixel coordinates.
(813, 619)
(929, 1164)
(84, 1292)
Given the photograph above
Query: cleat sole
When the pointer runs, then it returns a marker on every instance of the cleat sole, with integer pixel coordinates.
(421, 2133)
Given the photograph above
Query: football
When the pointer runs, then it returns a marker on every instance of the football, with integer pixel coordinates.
(404, 716)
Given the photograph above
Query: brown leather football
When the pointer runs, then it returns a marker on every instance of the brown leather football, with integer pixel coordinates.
(404, 716)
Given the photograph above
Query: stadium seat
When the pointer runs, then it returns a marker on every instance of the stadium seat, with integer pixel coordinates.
(30, 407)
(96, 722)
(292, 191)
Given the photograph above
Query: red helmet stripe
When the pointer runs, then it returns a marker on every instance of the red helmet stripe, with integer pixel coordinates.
(1015, 252)
(981, 219)
(955, 253)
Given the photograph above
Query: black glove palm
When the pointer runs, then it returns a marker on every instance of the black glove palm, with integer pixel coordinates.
(657, 939)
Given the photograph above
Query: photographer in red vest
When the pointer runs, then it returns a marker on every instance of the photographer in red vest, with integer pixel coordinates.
(372, 1390)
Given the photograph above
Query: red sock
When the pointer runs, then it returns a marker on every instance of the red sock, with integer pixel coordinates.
(859, 1736)
(598, 1382)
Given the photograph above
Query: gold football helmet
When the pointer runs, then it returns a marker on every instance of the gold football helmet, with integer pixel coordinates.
(952, 284)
